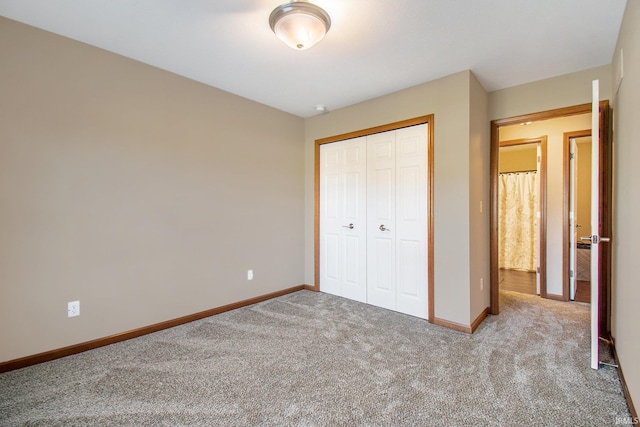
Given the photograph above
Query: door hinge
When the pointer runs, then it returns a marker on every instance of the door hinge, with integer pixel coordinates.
(571, 155)
(570, 273)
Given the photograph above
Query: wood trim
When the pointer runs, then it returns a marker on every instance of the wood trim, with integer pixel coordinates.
(479, 319)
(316, 218)
(566, 208)
(310, 288)
(47, 356)
(555, 297)
(460, 327)
(377, 129)
(545, 115)
(428, 119)
(606, 200)
(542, 202)
(430, 246)
(625, 388)
(494, 292)
(522, 141)
(452, 325)
(540, 116)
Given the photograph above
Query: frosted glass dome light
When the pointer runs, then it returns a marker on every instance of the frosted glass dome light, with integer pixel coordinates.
(299, 24)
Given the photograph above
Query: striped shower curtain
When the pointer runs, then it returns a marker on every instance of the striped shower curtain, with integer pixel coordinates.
(517, 222)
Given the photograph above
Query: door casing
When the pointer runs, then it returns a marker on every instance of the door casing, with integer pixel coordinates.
(429, 119)
(605, 201)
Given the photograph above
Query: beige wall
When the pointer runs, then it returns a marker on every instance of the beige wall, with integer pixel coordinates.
(449, 100)
(142, 194)
(626, 233)
(563, 91)
(583, 190)
(554, 129)
(479, 186)
(518, 158)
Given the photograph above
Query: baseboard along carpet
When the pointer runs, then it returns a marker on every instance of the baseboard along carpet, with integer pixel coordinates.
(312, 359)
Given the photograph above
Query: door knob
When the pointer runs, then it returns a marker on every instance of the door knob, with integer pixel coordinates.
(350, 226)
(596, 239)
(383, 228)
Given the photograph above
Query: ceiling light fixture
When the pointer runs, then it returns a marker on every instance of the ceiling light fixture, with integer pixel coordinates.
(299, 24)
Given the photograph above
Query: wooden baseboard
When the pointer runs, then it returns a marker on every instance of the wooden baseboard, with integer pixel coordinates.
(451, 325)
(479, 319)
(632, 408)
(311, 288)
(555, 297)
(460, 327)
(101, 342)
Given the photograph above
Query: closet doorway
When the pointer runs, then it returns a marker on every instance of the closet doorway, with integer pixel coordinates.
(373, 216)
(522, 215)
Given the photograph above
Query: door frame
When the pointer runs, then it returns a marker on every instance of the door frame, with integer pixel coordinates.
(542, 206)
(429, 120)
(605, 200)
(566, 206)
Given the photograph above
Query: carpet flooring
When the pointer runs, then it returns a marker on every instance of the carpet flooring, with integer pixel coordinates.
(312, 359)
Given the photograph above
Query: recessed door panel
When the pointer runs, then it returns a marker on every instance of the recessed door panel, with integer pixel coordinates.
(409, 267)
(343, 218)
(352, 196)
(409, 193)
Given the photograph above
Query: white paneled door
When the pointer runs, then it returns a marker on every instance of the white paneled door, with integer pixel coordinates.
(394, 199)
(343, 180)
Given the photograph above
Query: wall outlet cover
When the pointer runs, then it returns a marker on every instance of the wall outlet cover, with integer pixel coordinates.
(73, 309)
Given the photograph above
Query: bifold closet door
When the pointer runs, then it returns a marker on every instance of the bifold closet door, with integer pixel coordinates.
(373, 219)
(343, 181)
(396, 220)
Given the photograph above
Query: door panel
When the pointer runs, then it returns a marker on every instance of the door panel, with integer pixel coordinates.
(573, 214)
(411, 221)
(343, 218)
(595, 225)
(381, 196)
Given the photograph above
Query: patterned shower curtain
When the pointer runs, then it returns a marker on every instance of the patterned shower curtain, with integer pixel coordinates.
(517, 222)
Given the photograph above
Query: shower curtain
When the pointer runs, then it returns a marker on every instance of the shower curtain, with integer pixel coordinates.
(517, 220)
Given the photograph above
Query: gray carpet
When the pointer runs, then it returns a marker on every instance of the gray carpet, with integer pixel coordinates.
(315, 359)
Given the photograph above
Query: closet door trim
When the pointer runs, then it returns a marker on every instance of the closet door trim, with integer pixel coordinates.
(429, 120)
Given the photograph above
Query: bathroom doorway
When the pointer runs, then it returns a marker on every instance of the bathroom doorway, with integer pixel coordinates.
(521, 215)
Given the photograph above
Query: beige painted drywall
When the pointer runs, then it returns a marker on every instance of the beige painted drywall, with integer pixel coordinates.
(144, 195)
(449, 100)
(479, 186)
(554, 129)
(518, 158)
(626, 232)
(558, 92)
(583, 190)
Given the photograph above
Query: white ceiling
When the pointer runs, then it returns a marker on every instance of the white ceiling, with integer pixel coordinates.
(374, 47)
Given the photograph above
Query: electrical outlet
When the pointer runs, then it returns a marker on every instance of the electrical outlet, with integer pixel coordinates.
(73, 309)
(249, 274)
(482, 283)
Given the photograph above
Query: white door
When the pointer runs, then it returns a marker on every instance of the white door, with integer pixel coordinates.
(539, 230)
(411, 220)
(596, 239)
(343, 219)
(373, 219)
(381, 217)
(397, 220)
